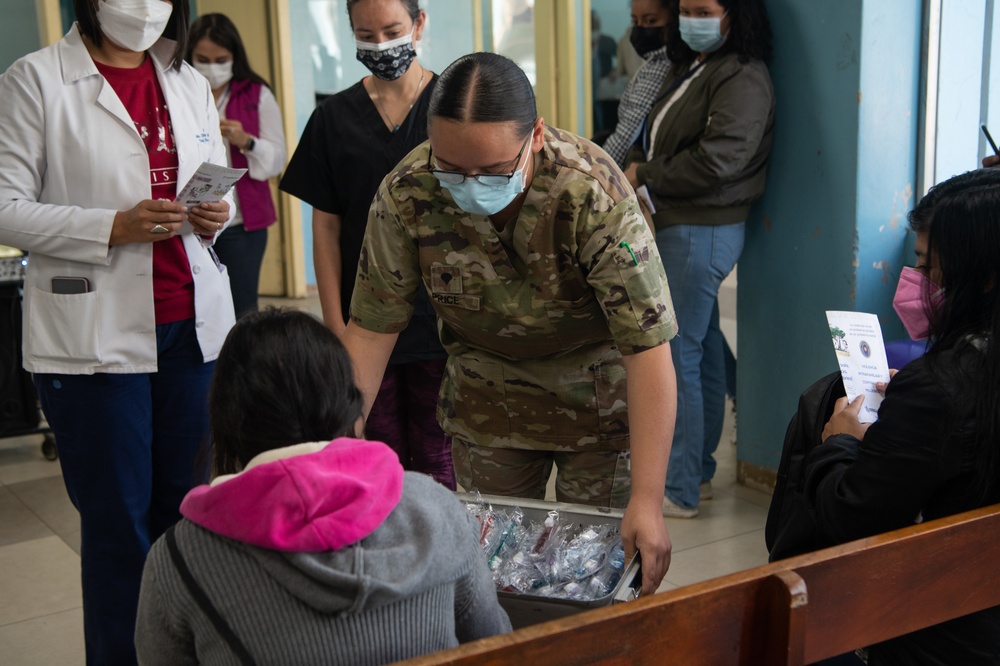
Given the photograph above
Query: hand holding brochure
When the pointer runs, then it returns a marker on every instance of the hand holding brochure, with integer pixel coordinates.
(209, 184)
(857, 339)
(642, 193)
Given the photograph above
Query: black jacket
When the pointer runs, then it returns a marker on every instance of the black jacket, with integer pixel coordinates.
(791, 528)
(916, 462)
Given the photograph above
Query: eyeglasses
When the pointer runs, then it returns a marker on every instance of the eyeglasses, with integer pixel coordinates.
(488, 179)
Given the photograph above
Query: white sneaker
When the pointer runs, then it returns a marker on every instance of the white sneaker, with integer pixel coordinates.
(705, 491)
(671, 510)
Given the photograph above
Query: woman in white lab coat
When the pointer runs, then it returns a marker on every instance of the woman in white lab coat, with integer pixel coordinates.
(125, 307)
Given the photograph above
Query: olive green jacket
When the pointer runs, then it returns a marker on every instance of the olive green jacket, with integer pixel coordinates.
(711, 149)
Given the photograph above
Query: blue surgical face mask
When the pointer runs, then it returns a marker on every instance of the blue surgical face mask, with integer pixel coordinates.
(481, 199)
(703, 35)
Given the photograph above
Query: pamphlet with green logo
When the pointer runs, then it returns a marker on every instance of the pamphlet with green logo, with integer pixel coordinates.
(857, 339)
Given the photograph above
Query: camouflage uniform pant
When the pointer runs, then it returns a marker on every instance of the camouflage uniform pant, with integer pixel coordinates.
(598, 478)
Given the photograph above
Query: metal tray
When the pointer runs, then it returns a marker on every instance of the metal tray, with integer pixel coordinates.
(526, 609)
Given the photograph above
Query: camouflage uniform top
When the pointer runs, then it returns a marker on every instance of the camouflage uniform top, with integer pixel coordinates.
(534, 328)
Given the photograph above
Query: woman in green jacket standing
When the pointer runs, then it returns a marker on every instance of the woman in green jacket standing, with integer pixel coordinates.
(707, 142)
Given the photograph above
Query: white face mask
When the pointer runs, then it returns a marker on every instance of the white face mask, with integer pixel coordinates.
(217, 73)
(133, 24)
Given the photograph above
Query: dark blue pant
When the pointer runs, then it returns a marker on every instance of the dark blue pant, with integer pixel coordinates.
(242, 252)
(129, 445)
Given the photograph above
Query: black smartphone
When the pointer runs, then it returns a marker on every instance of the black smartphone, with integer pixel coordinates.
(993, 143)
(70, 285)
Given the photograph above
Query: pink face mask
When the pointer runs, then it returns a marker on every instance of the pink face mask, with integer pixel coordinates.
(909, 301)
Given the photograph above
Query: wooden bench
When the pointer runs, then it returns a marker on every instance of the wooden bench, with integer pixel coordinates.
(793, 612)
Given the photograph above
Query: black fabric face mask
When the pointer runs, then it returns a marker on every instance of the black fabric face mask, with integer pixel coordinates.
(645, 40)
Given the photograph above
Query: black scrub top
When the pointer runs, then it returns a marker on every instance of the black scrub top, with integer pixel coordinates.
(344, 153)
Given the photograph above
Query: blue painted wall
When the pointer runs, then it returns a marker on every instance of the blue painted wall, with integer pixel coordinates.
(887, 157)
(829, 232)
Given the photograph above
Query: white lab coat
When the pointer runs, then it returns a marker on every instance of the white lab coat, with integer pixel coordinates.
(70, 158)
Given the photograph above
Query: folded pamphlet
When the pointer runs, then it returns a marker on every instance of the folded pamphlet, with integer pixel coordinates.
(209, 184)
(857, 340)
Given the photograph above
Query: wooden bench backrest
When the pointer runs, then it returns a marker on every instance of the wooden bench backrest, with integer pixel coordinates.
(891, 584)
(791, 612)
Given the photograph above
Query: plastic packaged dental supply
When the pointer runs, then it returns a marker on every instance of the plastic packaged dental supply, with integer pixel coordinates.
(555, 557)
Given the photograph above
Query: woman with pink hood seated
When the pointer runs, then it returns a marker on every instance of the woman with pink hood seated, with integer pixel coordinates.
(303, 549)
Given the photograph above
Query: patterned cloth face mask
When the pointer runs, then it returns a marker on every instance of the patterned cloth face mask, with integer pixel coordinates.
(388, 60)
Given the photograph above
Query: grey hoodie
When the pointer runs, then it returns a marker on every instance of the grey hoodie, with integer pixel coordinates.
(417, 584)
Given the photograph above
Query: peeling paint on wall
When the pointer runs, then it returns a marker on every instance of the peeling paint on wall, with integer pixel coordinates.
(885, 267)
(848, 55)
(900, 205)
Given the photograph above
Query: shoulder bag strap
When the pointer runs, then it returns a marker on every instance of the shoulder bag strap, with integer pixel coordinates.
(206, 605)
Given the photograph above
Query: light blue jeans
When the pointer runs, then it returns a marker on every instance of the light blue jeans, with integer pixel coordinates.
(697, 259)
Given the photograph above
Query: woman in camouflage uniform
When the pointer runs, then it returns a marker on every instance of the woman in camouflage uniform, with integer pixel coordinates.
(553, 303)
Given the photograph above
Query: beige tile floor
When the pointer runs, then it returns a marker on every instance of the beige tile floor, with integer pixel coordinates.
(41, 620)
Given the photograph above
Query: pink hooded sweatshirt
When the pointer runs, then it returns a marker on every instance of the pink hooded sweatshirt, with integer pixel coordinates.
(303, 498)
